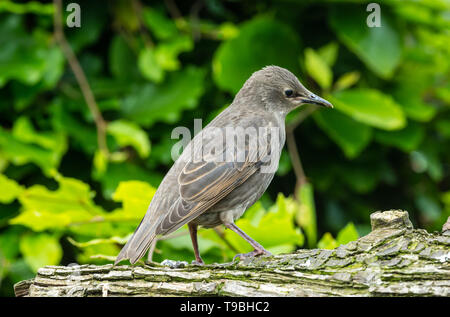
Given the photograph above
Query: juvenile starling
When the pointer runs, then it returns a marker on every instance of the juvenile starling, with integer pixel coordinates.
(217, 178)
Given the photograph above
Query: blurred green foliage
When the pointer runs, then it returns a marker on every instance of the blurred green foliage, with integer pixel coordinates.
(156, 65)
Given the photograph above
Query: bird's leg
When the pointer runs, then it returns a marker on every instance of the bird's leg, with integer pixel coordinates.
(258, 249)
(193, 232)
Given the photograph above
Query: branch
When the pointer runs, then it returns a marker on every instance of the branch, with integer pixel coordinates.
(194, 20)
(393, 260)
(292, 146)
(173, 10)
(80, 77)
(295, 159)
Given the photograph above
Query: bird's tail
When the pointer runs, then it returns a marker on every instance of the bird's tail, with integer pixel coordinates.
(138, 244)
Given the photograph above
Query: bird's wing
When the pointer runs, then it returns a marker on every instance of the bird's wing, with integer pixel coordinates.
(204, 183)
(201, 184)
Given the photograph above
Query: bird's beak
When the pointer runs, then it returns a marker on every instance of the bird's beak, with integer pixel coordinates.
(314, 99)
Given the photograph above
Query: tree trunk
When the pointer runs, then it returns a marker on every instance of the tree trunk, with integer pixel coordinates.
(393, 260)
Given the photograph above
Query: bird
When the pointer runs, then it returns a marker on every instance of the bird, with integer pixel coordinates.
(216, 186)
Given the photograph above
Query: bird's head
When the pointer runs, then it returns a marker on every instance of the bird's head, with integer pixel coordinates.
(280, 90)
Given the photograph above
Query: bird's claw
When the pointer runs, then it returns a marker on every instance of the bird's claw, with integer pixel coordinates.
(196, 262)
(252, 254)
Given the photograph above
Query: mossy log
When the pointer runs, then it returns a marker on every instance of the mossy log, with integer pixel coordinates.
(393, 260)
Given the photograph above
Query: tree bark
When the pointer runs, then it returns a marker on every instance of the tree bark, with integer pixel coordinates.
(393, 260)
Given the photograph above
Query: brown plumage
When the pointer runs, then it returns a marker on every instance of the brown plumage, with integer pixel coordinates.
(215, 180)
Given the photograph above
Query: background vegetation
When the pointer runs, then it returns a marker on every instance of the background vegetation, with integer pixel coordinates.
(75, 183)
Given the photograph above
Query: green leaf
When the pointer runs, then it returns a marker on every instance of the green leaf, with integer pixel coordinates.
(161, 26)
(344, 236)
(419, 163)
(120, 55)
(41, 220)
(371, 107)
(149, 66)
(379, 48)
(166, 53)
(125, 15)
(93, 18)
(411, 100)
(128, 133)
(347, 234)
(23, 60)
(118, 240)
(358, 177)
(46, 209)
(9, 190)
(117, 173)
(407, 139)
(40, 250)
(55, 143)
(28, 58)
(426, 158)
(29, 7)
(20, 153)
(24, 95)
(444, 94)
(82, 136)
(306, 215)
(351, 136)
(184, 241)
(9, 248)
(422, 12)
(327, 242)
(329, 53)
(443, 126)
(255, 213)
(347, 80)
(261, 42)
(105, 87)
(284, 166)
(428, 206)
(121, 222)
(227, 31)
(180, 247)
(318, 68)
(99, 254)
(446, 199)
(135, 196)
(132, 192)
(23, 130)
(100, 163)
(150, 103)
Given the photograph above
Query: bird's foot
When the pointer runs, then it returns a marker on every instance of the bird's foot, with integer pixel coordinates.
(252, 254)
(198, 262)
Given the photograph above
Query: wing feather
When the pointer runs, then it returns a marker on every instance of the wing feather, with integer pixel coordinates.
(203, 184)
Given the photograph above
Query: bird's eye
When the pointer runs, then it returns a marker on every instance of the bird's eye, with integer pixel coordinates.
(289, 92)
